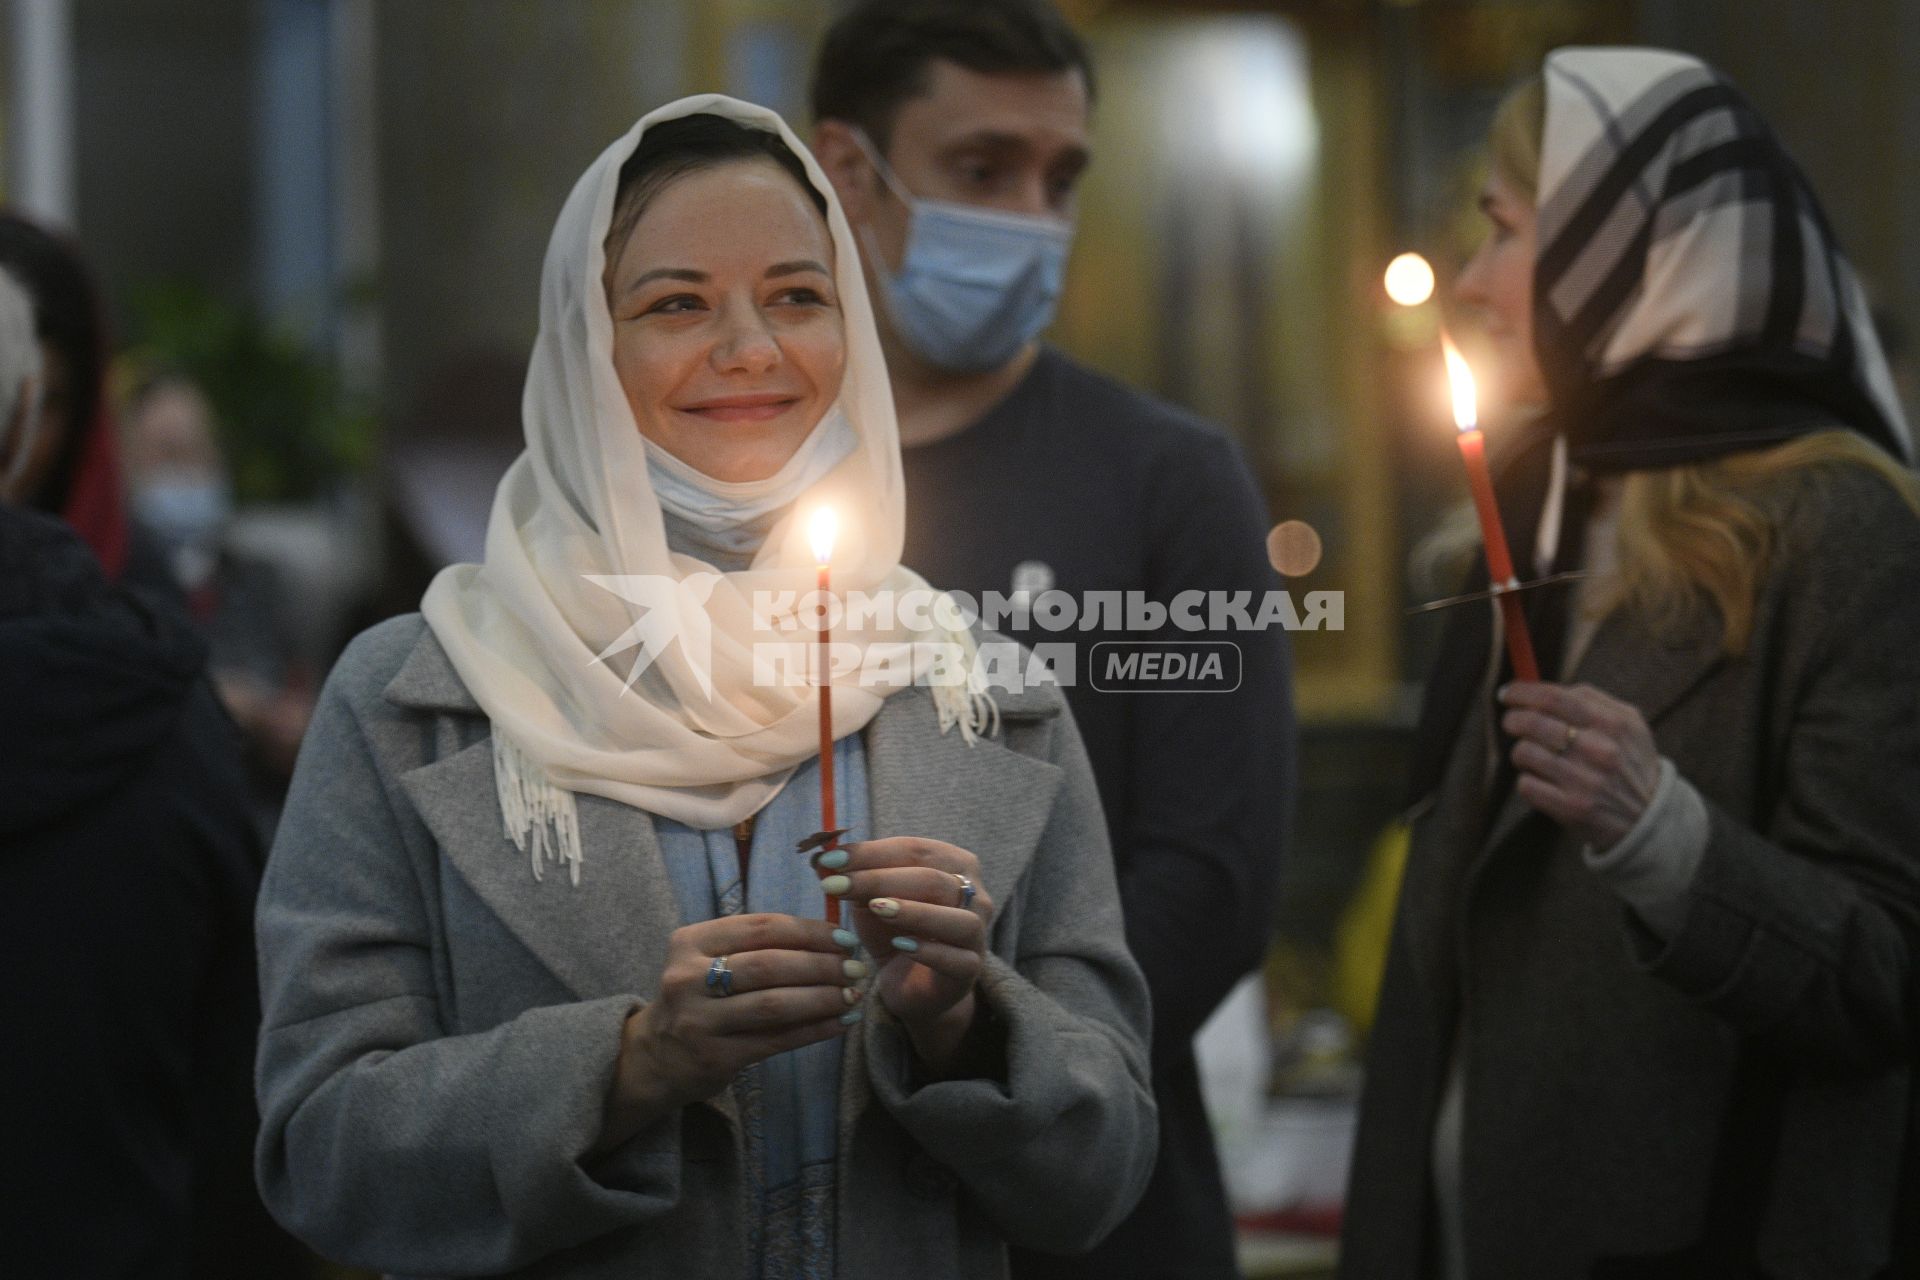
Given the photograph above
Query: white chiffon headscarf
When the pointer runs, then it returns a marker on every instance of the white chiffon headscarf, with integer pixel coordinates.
(543, 633)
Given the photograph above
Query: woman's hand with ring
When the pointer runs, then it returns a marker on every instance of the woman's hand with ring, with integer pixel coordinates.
(916, 917)
(784, 983)
(1586, 759)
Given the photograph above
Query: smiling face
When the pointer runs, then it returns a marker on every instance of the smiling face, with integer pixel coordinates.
(1498, 282)
(727, 332)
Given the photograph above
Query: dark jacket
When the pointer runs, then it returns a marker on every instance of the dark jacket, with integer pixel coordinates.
(127, 874)
(1108, 490)
(1736, 1100)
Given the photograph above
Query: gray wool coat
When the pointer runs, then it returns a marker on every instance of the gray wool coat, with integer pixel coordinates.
(1736, 1099)
(440, 1029)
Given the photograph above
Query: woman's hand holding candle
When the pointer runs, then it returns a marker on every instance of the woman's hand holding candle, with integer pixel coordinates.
(922, 913)
(791, 982)
(1586, 759)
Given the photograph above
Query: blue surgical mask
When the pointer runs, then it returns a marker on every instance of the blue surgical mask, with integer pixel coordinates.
(734, 517)
(188, 515)
(184, 512)
(974, 285)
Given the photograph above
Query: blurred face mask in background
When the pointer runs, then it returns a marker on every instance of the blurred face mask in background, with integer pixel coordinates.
(974, 285)
(188, 513)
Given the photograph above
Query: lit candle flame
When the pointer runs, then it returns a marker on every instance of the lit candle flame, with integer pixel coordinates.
(1466, 411)
(821, 529)
(1409, 280)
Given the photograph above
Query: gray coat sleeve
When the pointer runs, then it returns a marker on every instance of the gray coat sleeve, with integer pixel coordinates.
(385, 1141)
(1057, 1151)
(1803, 933)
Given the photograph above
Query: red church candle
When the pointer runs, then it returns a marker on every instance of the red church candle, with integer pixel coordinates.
(821, 534)
(1473, 450)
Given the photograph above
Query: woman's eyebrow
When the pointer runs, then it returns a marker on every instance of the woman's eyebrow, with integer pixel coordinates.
(700, 277)
(669, 273)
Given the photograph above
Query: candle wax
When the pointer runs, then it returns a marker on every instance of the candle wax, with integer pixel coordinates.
(827, 818)
(1493, 535)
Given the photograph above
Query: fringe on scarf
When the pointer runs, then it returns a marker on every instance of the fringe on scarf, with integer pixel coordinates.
(541, 819)
(967, 702)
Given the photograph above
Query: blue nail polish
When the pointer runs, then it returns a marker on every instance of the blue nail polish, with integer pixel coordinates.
(833, 859)
(846, 938)
(835, 886)
(906, 944)
(851, 1016)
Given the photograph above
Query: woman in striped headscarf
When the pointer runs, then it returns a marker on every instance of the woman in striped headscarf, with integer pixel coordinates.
(1650, 1004)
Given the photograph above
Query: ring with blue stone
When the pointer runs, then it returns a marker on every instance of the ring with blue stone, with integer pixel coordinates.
(719, 977)
(966, 889)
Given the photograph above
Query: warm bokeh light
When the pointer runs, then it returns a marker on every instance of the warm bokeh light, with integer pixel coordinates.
(1466, 411)
(1294, 548)
(821, 529)
(1409, 280)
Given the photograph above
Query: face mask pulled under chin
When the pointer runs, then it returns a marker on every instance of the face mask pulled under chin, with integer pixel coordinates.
(733, 514)
(974, 285)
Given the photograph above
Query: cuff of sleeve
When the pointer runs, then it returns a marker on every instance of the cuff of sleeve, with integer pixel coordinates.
(1056, 1153)
(979, 1114)
(1652, 868)
(1713, 958)
(557, 1073)
(903, 1087)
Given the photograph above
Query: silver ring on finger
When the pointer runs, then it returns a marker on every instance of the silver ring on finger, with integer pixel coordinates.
(1573, 733)
(966, 889)
(719, 977)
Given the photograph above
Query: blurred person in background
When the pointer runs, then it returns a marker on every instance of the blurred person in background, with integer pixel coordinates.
(956, 132)
(1649, 1008)
(550, 985)
(72, 468)
(128, 868)
(182, 498)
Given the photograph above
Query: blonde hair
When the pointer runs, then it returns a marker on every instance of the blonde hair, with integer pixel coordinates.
(1514, 140)
(1706, 533)
(1703, 534)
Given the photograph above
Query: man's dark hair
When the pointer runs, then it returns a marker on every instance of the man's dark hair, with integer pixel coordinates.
(879, 54)
(675, 148)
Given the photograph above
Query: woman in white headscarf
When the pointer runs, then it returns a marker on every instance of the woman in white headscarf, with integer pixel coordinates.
(1649, 1009)
(661, 1058)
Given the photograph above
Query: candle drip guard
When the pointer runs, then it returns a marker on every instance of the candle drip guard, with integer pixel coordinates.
(1498, 590)
(821, 841)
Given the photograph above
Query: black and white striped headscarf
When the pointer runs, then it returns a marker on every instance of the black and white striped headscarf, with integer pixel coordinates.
(1689, 298)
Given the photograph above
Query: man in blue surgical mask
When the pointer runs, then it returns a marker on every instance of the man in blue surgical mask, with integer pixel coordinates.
(956, 132)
